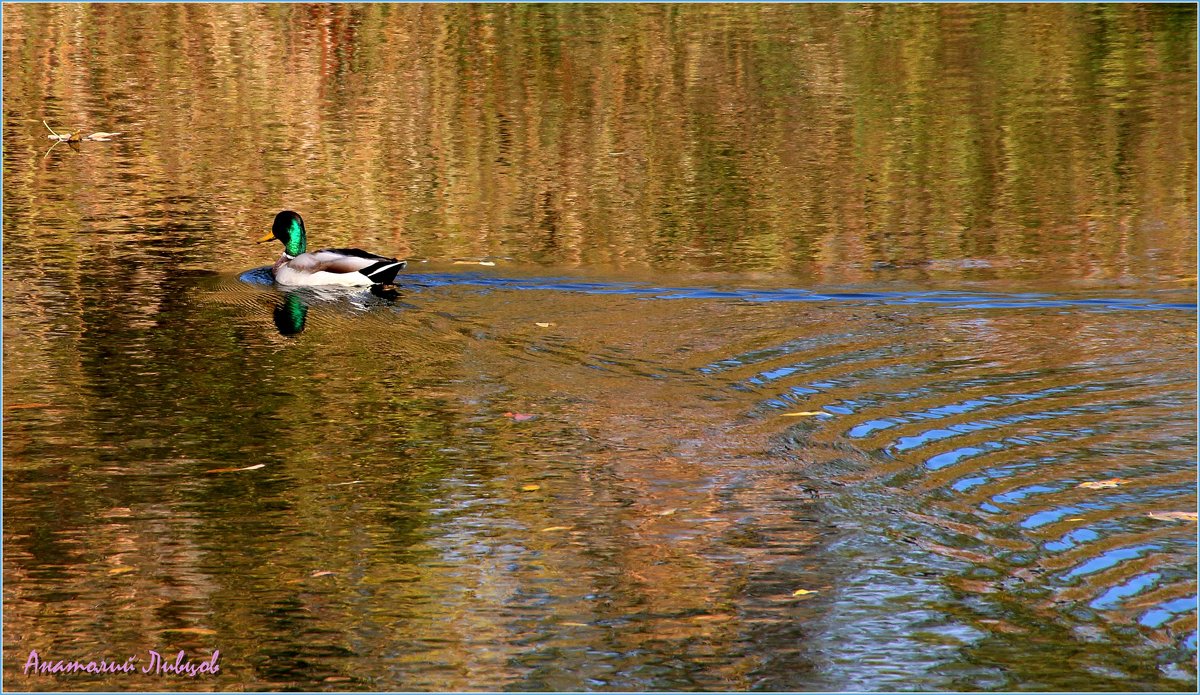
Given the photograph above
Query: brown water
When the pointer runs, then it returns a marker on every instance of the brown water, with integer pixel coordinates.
(859, 343)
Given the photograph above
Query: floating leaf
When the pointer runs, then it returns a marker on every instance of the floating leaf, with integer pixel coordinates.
(802, 592)
(120, 570)
(322, 573)
(573, 624)
(1103, 484)
(667, 512)
(532, 487)
(1173, 516)
(548, 529)
(542, 325)
(804, 413)
(520, 417)
(78, 136)
(235, 470)
(192, 630)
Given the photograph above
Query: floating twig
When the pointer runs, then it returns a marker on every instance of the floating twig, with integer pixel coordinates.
(78, 136)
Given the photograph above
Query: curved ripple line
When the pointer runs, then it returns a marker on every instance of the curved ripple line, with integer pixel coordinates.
(1071, 539)
(1115, 595)
(950, 409)
(918, 440)
(1165, 612)
(1109, 559)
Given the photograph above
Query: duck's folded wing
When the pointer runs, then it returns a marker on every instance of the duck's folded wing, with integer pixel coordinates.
(356, 253)
(348, 261)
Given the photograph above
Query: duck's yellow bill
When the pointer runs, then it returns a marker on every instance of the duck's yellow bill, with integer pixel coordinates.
(269, 237)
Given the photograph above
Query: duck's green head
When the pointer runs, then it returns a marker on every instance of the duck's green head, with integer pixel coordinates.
(289, 229)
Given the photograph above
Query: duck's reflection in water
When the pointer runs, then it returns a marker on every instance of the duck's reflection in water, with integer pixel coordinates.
(291, 312)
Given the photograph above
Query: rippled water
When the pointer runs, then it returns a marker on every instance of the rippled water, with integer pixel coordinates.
(822, 347)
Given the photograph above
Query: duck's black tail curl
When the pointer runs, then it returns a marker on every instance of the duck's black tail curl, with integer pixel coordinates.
(384, 272)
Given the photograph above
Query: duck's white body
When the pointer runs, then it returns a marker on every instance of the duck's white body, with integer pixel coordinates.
(343, 267)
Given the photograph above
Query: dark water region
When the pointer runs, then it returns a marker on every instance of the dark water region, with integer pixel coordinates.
(820, 347)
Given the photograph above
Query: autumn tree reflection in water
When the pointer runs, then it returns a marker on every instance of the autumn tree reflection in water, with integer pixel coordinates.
(1033, 142)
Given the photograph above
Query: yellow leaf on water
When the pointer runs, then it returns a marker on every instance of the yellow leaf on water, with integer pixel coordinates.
(532, 487)
(667, 512)
(572, 624)
(192, 630)
(1103, 484)
(322, 573)
(802, 592)
(235, 470)
(804, 413)
(543, 325)
(1173, 516)
(556, 528)
(120, 570)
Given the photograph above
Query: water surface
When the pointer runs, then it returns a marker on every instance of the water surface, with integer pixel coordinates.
(819, 347)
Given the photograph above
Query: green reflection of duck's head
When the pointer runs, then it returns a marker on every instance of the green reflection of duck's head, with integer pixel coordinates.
(290, 315)
(288, 228)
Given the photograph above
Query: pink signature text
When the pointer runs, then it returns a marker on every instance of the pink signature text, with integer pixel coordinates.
(158, 664)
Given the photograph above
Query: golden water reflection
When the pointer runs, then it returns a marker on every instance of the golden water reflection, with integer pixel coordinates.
(831, 142)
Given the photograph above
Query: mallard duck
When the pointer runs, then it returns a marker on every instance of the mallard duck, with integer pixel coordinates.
(347, 267)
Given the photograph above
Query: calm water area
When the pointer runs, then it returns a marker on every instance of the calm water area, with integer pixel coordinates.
(741, 347)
